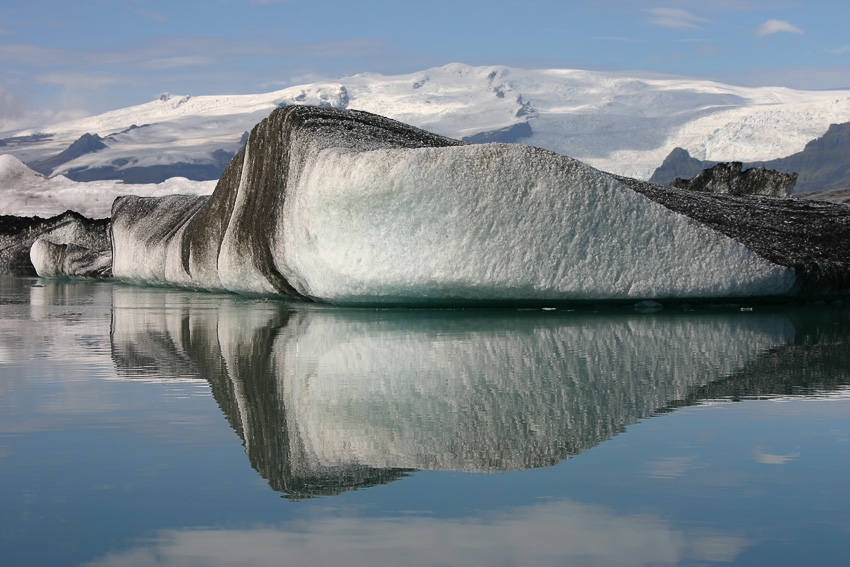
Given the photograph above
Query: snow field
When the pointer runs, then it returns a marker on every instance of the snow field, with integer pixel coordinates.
(618, 122)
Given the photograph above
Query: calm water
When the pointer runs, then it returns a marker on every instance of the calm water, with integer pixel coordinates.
(160, 427)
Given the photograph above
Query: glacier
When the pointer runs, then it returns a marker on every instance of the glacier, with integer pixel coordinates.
(351, 208)
(624, 123)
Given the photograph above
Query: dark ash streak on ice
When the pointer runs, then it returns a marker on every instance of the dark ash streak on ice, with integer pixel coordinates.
(810, 237)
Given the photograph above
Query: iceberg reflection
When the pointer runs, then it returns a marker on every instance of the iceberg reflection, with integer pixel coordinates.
(327, 400)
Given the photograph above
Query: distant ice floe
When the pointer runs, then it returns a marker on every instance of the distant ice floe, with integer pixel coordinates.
(23, 192)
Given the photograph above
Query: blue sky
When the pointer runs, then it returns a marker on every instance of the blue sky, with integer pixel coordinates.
(62, 59)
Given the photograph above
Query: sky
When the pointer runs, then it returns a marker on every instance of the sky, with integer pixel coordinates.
(61, 60)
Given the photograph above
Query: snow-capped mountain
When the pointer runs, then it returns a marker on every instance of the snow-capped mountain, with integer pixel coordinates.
(23, 192)
(618, 122)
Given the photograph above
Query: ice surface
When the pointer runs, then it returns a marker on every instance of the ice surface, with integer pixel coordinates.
(341, 215)
(147, 237)
(496, 222)
(14, 172)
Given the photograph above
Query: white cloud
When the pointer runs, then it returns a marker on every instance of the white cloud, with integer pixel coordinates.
(11, 106)
(840, 51)
(776, 26)
(300, 79)
(35, 55)
(674, 18)
(80, 79)
(15, 115)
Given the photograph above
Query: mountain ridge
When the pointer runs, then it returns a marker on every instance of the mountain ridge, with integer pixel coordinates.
(822, 165)
(625, 123)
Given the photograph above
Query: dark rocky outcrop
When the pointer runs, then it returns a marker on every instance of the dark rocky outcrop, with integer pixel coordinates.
(17, 235)
(679, 164)
(729, 179)
(525, 108)
(823, 164)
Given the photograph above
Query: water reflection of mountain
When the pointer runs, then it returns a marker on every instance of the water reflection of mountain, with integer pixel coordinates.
(330, 400)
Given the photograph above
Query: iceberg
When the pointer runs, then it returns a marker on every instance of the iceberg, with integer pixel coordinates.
(350, 208)
(51, 259)
(18, 235)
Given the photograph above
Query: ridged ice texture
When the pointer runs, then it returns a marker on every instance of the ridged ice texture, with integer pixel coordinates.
(351, 208)
(147, 238)
(496, 222)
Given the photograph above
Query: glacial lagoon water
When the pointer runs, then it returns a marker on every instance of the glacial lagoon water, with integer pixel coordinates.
(144, 426)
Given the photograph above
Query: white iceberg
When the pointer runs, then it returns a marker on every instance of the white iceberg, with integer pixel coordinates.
(348, 208)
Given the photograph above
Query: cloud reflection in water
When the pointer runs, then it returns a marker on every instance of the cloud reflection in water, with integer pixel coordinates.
(552, 533)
